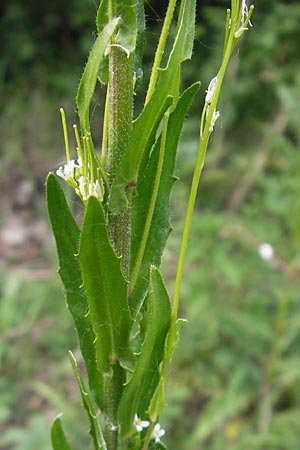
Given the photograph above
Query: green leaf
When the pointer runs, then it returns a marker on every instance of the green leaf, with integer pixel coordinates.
(125, 10)
(127, 31)
(102, 17)
(183, 45)
(148, 121)
(160, 224)
(139, 389)
(58, 438)
(105, 288)
(88, 80)
(184, 40)
(66, 235)
(95, 430)
(130, 34)
(142, 137)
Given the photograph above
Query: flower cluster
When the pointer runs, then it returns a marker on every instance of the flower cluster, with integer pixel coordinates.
(237, 23)
(140, 424)
(81, 174)
(73, 174)
(67, 172)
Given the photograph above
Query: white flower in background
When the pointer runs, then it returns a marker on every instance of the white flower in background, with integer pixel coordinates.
(211, 89)
(139, 424)
(215, 116)
(266, 251)
(67, 171)
(158, 432)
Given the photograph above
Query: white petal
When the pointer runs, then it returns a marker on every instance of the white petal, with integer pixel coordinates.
(158, 432)
(60, 173)
(140, 424)
(145, 423)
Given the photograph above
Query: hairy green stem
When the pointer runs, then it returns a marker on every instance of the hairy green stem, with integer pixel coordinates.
(113, 388)
(119, 125)
(120, 113)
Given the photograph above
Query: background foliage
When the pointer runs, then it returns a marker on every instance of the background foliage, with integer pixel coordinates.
(234, 383)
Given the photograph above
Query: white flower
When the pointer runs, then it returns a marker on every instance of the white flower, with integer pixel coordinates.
(211, 89)
(215, 116)
(158, 432)
(67, 171)
(96, 190)
(266, 251)
(83, 188)
(86, 190)
(139, 424)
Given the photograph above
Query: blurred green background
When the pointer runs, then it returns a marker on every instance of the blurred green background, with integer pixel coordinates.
(235, 378)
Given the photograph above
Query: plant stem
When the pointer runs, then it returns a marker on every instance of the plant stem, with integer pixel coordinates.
(140, 255)
(113, 387)
(160, 49)
(204, 138)
(119, 126)
(148, 436)
(105, 131)
(120, 112)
